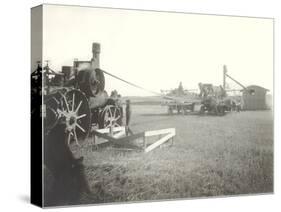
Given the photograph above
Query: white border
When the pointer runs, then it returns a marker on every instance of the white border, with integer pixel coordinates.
(15, 70)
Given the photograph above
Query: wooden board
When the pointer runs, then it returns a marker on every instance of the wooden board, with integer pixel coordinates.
(114, 129)
(159, 142)
(159, 132)
(119, 138)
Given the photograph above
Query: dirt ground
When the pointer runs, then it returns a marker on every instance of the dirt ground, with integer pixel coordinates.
(211, 156)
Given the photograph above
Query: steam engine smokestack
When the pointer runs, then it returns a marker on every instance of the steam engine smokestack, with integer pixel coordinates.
(96, 56)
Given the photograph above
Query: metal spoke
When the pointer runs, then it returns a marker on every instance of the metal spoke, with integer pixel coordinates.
(114, 111)
(73, 100)
(116, 118)
(61, 103)
(108, 123)
(81, 116)
(75, 136)
(60, 112)
(55, 100)
(69, 137)
(78, 107)
(66, 103)
(80, 127)
(110, 112)
(116, 124)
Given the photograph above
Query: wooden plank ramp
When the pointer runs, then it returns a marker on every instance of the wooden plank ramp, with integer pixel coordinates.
(118, 136)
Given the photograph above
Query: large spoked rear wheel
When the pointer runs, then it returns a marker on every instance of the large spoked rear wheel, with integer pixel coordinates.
(75, 109)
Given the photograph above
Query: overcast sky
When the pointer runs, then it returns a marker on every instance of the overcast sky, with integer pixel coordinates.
(157, 50)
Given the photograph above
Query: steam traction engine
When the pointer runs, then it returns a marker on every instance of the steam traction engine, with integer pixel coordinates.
(76, 98)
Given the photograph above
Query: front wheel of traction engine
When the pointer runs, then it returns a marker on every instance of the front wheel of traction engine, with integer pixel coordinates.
(110, 116)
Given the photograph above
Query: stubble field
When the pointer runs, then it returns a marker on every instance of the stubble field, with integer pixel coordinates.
(211, 156)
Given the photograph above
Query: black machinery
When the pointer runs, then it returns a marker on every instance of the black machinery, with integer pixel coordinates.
(211, 99)
(76, 98)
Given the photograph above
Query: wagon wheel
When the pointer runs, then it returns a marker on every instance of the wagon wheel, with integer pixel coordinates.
(110, 117)
(76, 111)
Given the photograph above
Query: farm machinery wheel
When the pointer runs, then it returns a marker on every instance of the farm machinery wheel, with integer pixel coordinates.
(77, 116)
(52, 103)
(111, 116)
(71, 108)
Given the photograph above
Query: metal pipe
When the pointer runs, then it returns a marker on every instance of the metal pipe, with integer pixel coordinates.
(224, 73)
(236, 81)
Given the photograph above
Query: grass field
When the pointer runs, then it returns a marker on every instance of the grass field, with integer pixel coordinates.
(211, 156)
